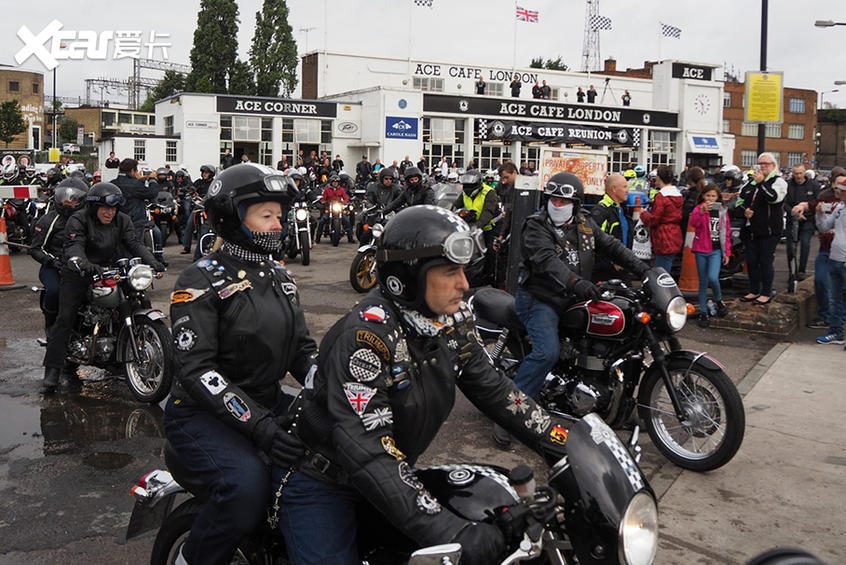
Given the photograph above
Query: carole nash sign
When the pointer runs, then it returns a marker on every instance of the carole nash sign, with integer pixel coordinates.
(583, 113)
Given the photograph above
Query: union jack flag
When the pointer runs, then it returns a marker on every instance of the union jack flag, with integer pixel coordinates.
(524, 15)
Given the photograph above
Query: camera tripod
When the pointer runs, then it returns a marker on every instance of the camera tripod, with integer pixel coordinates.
(607, 89)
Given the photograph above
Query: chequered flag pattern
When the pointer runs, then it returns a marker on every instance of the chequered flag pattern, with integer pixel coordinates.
(598, 22)
(670, 31)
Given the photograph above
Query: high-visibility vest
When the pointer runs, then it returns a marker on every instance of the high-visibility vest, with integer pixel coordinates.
(478, 204)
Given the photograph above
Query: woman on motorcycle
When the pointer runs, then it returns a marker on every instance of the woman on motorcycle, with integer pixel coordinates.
(385, 384)
(96, 237)
(238, 330)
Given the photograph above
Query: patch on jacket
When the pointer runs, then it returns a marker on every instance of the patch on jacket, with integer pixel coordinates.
(364, 365)
(236, 406)
(185, 339)
(358, 395)
(427, 503)
(538, 421)
(391, 448)
(558, 435)
(228, 291)
(186, 295)
(374, 314)
(378, 418)
(374, 341)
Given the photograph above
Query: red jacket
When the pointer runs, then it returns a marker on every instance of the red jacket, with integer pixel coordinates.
(330, 194)
(664, 221)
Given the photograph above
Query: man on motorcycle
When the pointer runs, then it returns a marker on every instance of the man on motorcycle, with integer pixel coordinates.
(384, 191)
(201, 187)
(48, 242)
(415, 193)
(385, 384)
(95, 238)
(162, 175)
(333, 192)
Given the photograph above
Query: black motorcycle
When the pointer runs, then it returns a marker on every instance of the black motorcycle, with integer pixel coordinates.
(606, 512)
(202, 231)
(333, 223)
(299, 232)
(363, 266)
(18, 231)
(620, 354)
(163, 213)
(117, 327)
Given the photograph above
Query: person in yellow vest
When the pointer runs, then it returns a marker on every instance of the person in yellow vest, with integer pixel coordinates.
(638, 183)
(482, 204)
(610, 215)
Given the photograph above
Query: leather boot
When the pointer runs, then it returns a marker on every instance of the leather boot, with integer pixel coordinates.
(51, 380)
(500, 436)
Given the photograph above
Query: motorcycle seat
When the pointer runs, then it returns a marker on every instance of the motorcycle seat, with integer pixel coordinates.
(497, 307)
(189, 481)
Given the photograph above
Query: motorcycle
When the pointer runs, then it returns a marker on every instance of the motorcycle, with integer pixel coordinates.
(620, 354)
(117, 326)
(299, 232)
(363, 266)
(606, 512)
(17, 222)
(333, 220)
(163, 212)
(203, 232)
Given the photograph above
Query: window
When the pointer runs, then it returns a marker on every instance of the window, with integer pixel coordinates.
(530, 154)
(495, 89)
(267, 129)
(306, 131)
(726, 99)
(796, 105)
(796, 131)
(168, 129)
(773, 130)
(443, 138)
(36, 88)
(124, 118)
(326, 131)
(14, 86)
(225, 127)
(140, 153)
(443, 130)
(428, 84)
(661, 149)
(170, 152)
(726, 126)
(489, 156)
(618, 160)
(246, 128)
(152, 120)
(287, 131)
(108, 119)
(139, 119)
(794, 158)
(266, 152)
(750, 129)
(748, 157)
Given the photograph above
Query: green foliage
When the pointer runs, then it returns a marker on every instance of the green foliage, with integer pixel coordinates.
(171, 83)
(215, 47)
(68, 130)
(556, 64)
(537, 63)
(273, 54)
(11, 121)
(57, 105)
(241, 79)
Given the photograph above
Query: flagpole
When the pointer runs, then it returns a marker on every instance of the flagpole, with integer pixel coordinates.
(410, 13)
(514, 58)
(659, 42)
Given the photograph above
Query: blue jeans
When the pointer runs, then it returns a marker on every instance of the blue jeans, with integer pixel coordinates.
(157, 240)
(760, 254)
(708, 270)
(822, 284)
(541, 321)
(318, 521)
(838, 297)
(229, 465)
(806, 232)
(665, 261)
(51, 279)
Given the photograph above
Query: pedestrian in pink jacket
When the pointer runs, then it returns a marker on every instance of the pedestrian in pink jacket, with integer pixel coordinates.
(711, 247)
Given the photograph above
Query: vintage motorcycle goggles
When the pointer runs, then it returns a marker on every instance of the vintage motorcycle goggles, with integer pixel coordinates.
(459, 248)
(113, 200)
(561, 190)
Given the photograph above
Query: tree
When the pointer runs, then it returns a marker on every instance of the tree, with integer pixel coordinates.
(68, 130)
(215, 46)
(273, 54)
(241, 79)
(11, 121)
(171, 83)
(556, 64)
(537, 63)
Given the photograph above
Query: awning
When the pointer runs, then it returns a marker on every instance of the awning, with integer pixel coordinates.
(703, 143)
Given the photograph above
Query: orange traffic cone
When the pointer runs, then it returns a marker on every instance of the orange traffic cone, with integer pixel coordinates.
(7, 281)
(689, 278)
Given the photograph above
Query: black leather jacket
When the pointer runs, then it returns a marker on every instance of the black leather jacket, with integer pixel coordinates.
(201, 185)
(136, 192)
(102, 244)
(381, 195)
(380, 395)
(544, 272)
(49, 236)
(238, 328)
(409, 197)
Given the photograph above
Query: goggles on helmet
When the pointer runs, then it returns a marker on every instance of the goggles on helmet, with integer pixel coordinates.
(563, 190)
(113, 200)
(458, 247)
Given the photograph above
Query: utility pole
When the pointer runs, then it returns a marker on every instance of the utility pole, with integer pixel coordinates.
(590, 45)
(762, 127)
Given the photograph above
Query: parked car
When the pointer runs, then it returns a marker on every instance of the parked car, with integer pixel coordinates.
(70, 148)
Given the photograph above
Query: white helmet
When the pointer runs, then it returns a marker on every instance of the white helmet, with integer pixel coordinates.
(302, 171)
(729, 168)
(452, 177)
(811, 174)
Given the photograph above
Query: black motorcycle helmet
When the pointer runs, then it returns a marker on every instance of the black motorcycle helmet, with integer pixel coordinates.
(207, 169)
(334, 178)
(182, 178)
(566, 185)
(410, 173)
(54, 175)
(103, 194)
(415, 240)
(70, 189)
(296, 177)
(385, 173)
(161, 174)
(471, 182)
(89, 178)
(234, 190)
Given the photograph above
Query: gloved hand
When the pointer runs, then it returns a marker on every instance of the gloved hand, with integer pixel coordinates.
(157, 266)
(283, 448)
(481, 544)
(585, 289)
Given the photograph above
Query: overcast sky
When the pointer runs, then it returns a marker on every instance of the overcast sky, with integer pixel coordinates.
(476, 32)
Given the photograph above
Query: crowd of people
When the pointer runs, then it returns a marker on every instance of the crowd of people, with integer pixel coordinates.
(542, 91)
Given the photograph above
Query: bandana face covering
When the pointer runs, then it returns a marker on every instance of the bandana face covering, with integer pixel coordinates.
(267, 241)
(559, 215)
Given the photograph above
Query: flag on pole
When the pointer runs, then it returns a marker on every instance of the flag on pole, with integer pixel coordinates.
(426, 3)
(670, 31)
(524, 15)
(598, 22)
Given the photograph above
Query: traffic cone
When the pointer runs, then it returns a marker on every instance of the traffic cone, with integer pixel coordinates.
(689, 278)
(7, 281)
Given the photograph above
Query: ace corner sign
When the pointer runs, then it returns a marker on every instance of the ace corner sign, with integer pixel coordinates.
(401, 128)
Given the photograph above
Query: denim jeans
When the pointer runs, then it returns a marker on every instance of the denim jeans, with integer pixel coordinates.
(318, 521)
(541, 321)
(806, 232)
(760, 254)
(838, 297)
(822, 284)
(665, 261)
(51, 280)
(708, 270)
(157, 240)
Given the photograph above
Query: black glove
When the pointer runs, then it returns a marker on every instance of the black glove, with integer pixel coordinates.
(157, 266)
(54, 264)
(585, 289)
(93, 269)
(283, 448)
(481, 544)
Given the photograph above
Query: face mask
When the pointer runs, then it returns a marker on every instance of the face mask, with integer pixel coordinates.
(559, 215)
(267, 241)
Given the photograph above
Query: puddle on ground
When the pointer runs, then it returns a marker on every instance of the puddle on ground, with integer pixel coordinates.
(107, 460)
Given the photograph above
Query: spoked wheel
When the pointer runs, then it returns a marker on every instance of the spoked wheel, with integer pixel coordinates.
(149, 377)
(714, 423)
(363, 271)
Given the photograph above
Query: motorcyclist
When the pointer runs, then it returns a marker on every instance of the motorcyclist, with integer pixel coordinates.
(48, 242)
(96, 237)
(137, 191)
(162, 178)
(238, 329)
(201, 187)
(54, 176)
(362, 170)
(333, 192)
(384, 386)
(416, 192)
(98, 176)
(30, 175)
(452, 177)
(639, 183)
(384, 191)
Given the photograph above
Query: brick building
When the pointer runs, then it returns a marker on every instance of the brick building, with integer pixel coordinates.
(27, 87)
(832, 139)
(99, 122)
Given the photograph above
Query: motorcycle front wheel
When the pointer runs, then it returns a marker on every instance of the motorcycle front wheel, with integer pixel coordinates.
(150, 377)
(362, 273)
(206, 243)
(715, 423)
(306, 250)
(335, 236)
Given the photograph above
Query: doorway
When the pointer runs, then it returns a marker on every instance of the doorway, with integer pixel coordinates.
(251, 150)
(307, 148)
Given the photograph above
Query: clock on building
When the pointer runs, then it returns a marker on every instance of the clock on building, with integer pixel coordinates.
(702, 104)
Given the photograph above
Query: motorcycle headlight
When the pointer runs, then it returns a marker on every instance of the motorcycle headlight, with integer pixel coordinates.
(337, 207)
(301, 214)
(140, 277)
(676, 313)
(376, 230)
(639, 531)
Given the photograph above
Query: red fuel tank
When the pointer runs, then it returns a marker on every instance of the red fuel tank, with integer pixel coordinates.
(601, 318)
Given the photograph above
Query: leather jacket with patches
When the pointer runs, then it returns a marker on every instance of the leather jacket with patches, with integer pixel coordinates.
(381, 393)
(238, 328)
(545, 271)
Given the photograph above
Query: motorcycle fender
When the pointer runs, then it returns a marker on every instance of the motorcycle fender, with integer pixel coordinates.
(147, 516)
(692, 357)
(149, 313)
(366, 248)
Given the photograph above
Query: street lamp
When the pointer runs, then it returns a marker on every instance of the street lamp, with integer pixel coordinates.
(839, 82)
(828, 23)
(824, 92)
(306, 30)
